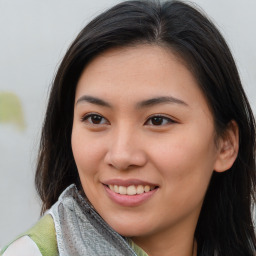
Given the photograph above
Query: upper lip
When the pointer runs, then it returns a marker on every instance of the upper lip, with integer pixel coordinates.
(128, 182)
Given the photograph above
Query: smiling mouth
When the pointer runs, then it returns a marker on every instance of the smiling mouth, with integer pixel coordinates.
(131, 190)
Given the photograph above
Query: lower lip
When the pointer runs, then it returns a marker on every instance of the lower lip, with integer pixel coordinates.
(126, 200)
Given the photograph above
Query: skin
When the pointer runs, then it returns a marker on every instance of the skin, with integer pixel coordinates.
(179, 153)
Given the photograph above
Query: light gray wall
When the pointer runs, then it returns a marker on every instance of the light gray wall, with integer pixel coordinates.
(33, 38)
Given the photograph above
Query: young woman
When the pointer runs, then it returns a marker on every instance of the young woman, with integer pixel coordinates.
(148, 144)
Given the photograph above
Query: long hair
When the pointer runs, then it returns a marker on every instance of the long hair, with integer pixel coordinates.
(225, 225)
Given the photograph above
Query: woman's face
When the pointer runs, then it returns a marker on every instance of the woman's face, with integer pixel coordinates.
(143, 140)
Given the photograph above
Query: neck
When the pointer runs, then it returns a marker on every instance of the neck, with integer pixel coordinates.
(170, 250)
(179, 242)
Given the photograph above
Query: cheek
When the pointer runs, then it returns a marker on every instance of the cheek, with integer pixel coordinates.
(184, 155)
(87, 152)
(186, 163)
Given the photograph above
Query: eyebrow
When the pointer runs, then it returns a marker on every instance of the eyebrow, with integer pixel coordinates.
(93, 100)
(145, 103)
(160, 100)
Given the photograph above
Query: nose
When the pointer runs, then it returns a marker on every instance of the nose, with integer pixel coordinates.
(125, 150)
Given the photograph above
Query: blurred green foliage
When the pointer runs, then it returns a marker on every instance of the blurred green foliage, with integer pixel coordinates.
(11, 110)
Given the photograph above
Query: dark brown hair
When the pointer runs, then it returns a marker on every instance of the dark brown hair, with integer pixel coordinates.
(225, 224)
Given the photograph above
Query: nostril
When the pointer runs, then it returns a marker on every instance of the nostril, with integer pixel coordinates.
(126, 159)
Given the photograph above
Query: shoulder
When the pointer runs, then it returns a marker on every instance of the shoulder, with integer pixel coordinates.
(40, 240)
(22, 247)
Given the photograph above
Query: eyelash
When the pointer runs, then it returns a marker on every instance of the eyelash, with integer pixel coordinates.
(156, 118)
(162, 118)
(88, 116)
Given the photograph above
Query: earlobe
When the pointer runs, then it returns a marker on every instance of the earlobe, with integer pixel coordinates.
(228, 147)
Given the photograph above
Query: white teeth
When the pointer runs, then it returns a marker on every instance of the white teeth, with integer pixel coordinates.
(116, 188)
(122, 190)
(131, 190)
(140, 189)
(147, 188)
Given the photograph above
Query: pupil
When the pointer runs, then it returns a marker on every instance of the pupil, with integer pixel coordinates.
(157, 120)
(96, 119)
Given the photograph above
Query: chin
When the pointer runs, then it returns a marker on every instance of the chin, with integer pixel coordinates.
(130, 233)
(129, 229)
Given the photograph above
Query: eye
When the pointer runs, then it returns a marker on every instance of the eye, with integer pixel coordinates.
(159, 120)
(94, 119)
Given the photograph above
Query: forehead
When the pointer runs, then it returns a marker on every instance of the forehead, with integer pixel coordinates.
(138, 72)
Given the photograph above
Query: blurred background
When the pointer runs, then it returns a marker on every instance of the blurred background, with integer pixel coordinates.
(34, 36)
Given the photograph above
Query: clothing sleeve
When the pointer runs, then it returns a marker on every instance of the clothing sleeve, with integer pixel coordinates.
(40, 240)
(23, 246)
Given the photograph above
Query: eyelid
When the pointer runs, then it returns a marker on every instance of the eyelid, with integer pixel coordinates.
(169, 119)
(85, 118)
(164, 117)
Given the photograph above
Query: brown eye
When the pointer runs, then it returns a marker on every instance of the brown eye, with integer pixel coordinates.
(159, 121)
(94, 119)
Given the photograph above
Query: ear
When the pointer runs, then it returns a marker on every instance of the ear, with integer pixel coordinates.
(228, 146)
